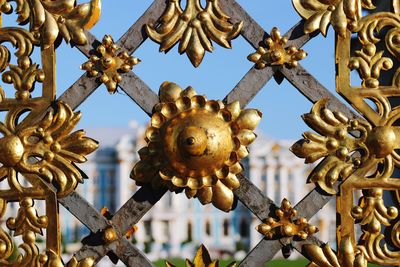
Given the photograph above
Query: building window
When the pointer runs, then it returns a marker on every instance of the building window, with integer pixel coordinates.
(244, 228)
(226, 227)
(189, 231)
(147, 228)
(208, 228)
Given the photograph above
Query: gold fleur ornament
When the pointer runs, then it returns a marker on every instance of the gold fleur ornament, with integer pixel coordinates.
(193, 28)
(109, 63)
(276, 53)
(196, 144)
(286, 225)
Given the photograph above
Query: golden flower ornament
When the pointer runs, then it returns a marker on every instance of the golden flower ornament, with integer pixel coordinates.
(286, 225)
(193, 28)
(48, 149)
(109, 63)
(202, 259)
(196, 144)
(341, 14)
(276, 53)
(342, 153)
(51, 19)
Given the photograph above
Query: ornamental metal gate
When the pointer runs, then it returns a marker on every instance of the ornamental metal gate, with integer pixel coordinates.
(356, 151)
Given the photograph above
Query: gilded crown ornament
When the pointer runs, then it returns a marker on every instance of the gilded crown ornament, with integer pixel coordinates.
(109, 63)
(193, 28)
(275, 53)
(202, 259)
(196, 144)
(286, 224)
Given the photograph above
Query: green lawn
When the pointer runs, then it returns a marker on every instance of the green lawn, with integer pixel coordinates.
(224, 263)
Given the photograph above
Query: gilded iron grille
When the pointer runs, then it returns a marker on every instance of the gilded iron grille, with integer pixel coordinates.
(357, 151)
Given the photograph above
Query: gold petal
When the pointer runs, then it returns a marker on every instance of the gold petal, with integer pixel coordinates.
(205, 195)
(194, 183)
(222, 196)
(169, 92)
(142, 172)
(249, 119)
(246, 137)
(231, 181)
(179, 181)
(189, 92)
(234, 109)
(190, 192)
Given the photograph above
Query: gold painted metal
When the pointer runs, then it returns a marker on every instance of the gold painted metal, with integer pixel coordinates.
(109, 63)
(196, 144)
(275, 53)
(286, 224)
(193, 28)
(88, 262)
(202, 259)
(341, 14)
(362, 154)
(50, 19)
(38, 148)
(109, 235)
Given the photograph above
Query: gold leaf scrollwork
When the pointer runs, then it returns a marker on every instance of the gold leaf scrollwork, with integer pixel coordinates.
(109, 64)
(193, 28)
(202, 259)
(372, 213)
(341, 14)
(47, 149)
(28, 224)
(335, 144)
(369, 64)
(286, 224)
(59, 17)
(196, 144)
(276, 53)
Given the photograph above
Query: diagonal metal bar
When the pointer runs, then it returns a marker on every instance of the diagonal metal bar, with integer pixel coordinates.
(90, 216)
(130, 41)
(255, 79)
(313, 90)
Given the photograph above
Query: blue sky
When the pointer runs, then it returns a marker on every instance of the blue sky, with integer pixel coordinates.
(219, 72)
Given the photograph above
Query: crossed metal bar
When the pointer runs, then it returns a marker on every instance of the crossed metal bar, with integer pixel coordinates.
(143, 200)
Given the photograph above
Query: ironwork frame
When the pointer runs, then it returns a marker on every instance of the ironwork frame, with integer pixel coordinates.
(144, 199)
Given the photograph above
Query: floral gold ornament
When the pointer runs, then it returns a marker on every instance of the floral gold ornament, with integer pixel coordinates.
(109, 63)
(369, 63)
(341, 14)
(286, 225)
(202, 259)
(335, 145)
(275, 52)
(193, 28)
(362, 154)
(48, 149)
(196, 144)
(51, 19)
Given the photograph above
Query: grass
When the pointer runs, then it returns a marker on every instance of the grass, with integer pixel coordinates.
(224, 263)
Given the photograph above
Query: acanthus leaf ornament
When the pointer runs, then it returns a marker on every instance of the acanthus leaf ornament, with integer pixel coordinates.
(109, 63)
(50, 19)
(193, 28)
(196, 144)
(48, 149)
(275, 53)
(286, 224)
(341, 14)
(335, 144)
